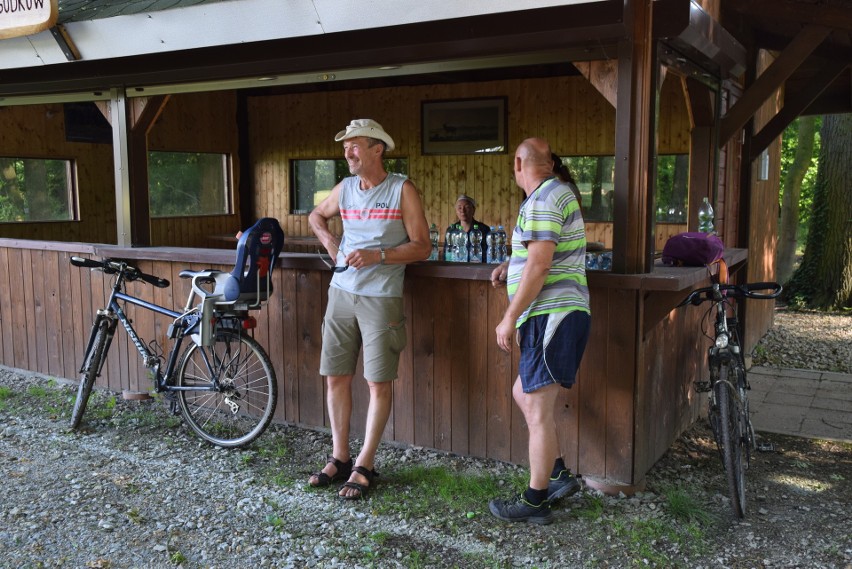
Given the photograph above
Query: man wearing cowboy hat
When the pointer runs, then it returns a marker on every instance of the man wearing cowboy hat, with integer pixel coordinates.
(384, 228)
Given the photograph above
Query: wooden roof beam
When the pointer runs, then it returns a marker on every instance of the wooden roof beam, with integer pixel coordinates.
(794, 105)
(773, 78)
(823, 14)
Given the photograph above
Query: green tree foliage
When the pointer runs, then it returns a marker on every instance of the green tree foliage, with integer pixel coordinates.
(187, 183)
(794, 173)
(34, 189)
(789, 143)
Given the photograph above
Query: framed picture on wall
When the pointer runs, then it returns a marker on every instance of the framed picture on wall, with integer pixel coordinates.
(464, 126)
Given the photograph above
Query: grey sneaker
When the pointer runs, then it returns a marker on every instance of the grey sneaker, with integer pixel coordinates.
(563, 485)
(519, 510)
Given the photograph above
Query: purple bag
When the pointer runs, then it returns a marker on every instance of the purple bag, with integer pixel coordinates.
(693, 249)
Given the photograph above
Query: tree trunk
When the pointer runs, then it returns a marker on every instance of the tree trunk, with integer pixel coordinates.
(824, 279)
(789, 225)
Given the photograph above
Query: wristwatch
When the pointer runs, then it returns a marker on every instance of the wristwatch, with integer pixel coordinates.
(382, 251)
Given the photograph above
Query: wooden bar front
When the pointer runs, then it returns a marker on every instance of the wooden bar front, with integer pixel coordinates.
(633, 396)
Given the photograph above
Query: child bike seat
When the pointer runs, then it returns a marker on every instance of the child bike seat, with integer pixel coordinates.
(250, 283)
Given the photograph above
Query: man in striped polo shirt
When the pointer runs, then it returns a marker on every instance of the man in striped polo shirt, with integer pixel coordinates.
(549, 312)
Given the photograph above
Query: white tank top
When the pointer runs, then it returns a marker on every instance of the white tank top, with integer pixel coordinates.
(372, 219)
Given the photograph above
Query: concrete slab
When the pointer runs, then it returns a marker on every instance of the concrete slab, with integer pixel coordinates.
(803, 403)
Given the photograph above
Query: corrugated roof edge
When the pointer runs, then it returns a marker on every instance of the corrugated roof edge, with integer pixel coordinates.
(87, 10)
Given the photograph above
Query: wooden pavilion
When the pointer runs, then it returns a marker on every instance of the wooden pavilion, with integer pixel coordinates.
(266, 84)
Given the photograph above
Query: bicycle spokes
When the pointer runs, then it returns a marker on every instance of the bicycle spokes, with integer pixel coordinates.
(227, 390)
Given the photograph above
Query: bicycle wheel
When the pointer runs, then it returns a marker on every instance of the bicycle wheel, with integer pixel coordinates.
(746, 428)
(231, 392)
(733, 449)
(91, 366)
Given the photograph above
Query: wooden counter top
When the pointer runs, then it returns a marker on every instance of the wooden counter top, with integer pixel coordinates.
(663, 278)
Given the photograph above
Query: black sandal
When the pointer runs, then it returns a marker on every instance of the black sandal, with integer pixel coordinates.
(343, 472)
(362, 489)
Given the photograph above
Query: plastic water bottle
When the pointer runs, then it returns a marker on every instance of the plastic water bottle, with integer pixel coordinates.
(502, 251)
(449, 245)
(491, 246)
(433, 237)
(705, 217)
(475, 247)
(462, 246)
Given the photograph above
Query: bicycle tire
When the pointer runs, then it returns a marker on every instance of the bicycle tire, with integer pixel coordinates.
(91, 365)
(730, 425)
(237, 389)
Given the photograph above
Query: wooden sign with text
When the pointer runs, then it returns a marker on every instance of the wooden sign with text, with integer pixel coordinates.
(26, 17)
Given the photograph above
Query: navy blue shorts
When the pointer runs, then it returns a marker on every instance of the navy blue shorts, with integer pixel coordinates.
(552, 354)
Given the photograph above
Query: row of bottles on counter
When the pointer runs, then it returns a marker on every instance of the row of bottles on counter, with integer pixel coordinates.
(463, 247)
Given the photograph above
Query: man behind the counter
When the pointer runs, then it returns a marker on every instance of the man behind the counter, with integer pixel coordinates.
(465, 209)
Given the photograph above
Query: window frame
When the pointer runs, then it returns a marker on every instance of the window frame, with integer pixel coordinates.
(294, 189)
(227, 180)
(72, 187)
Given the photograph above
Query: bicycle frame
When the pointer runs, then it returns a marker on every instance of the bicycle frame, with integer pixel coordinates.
(726, 341)
(181, 327)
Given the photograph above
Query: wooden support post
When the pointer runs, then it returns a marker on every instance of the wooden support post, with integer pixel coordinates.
(634, 135)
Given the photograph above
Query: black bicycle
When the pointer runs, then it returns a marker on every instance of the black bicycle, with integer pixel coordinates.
(728, 387)
(222, 382)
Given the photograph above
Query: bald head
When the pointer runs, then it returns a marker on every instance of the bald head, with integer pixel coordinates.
(533, 163)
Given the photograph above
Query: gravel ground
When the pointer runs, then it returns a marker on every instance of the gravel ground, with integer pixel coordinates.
(137, 489)
(808, 340)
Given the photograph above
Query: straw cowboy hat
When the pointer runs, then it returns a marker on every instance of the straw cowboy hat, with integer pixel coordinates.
(368, 128)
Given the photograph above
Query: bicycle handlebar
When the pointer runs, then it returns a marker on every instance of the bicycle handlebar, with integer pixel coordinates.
(750, 290)
(111, 266)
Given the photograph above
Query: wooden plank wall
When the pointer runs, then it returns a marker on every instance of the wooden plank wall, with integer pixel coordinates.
(454, 390)
(763, 220)
(38, 131)
(567, 111)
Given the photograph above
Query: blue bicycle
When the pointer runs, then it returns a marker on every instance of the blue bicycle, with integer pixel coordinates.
(222, 381)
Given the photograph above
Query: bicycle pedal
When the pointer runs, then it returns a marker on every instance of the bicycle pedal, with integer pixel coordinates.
(765, 447)
(171, 397)
(702, 386)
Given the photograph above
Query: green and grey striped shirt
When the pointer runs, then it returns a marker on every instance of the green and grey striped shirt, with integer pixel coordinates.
(551, 213)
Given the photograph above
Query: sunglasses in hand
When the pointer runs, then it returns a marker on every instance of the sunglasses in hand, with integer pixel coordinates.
(334, 268)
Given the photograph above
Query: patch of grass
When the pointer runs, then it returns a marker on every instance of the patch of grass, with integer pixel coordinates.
(5, 393)
(644, 541)
(684, 507)
(592, 508)
(135, 516)
(177, 558)
(105, 407)
(275, 521)
(272, 447)
(421, 490)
